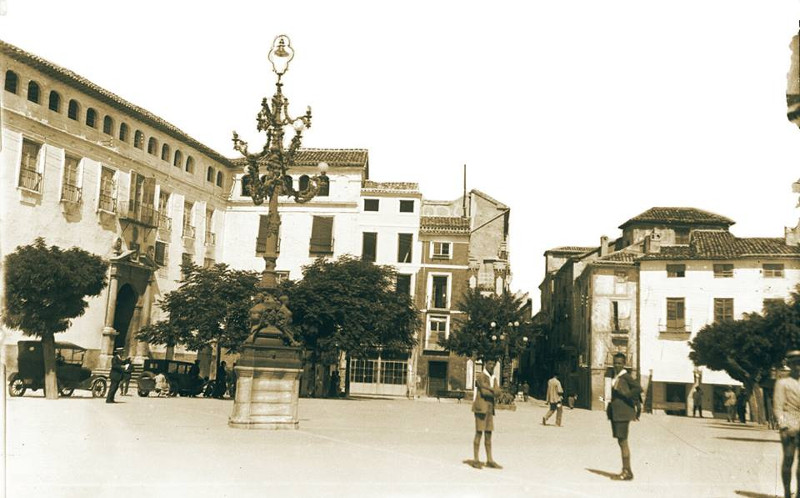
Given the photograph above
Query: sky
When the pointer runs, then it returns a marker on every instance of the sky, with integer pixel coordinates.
(578, 115)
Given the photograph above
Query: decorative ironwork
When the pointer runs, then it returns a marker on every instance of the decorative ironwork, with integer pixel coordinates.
(140, 213)
(30, 179)
(71, 193)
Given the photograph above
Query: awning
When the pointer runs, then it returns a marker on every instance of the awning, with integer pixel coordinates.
(718, 378)
(675, 372)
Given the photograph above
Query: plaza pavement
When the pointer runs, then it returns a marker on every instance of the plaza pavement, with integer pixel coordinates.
(154, 447)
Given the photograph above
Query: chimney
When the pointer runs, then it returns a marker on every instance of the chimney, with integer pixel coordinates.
(603, 246)
(652, 243)
(792, 235)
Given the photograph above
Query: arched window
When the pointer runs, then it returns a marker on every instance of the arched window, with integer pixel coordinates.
(288, 184)
(324, 186)
(303, 184)
(91, 117)
(246, 185)
(108, 125)
(190, 164)
(138, 139)
(220, 178)
(33, 92)
(152, 146)
(11, 81)
(210, 174)
(55, 101)
(165, 152)
(178, 159)
(73, 109)
(123, 132)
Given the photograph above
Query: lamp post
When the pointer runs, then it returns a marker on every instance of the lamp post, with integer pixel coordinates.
(271, 362)
(505, 339)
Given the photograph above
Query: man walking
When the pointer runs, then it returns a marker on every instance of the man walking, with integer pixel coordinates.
(625, 390)
(730, 403)
(483, 408)
(554, 397)
(697, 399)
(787, 414)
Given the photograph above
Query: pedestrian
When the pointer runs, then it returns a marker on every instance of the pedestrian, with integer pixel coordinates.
(333, 392)
(526, 391)
(571, 399)
(127, 371)
(730, 403)
(554, 397)
(221, 384)
(741, 406)
(117, 369)
(697, 399)
(486, 391)
(162, 386)
(625, 390)
(787, 413)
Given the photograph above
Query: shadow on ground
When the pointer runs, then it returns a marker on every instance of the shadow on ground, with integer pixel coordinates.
(750, 494)
(614, 476)
(749, 440)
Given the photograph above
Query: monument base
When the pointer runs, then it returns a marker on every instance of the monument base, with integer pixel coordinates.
(266, 398)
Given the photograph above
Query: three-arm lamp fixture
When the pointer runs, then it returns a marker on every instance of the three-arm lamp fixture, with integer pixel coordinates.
(505, 339)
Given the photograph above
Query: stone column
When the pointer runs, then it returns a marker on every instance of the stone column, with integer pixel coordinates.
(142, 350)
(109, 334)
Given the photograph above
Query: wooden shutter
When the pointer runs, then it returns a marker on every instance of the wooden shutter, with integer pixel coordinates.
(321, 235)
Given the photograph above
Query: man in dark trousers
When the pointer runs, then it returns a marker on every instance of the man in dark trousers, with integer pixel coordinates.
(787, 415)
(697, 399)
(483, 407)
(555, 394)
(117, 371)
(221, 384)
(625, 390)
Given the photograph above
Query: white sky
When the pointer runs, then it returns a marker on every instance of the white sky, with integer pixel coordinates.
(579, 115)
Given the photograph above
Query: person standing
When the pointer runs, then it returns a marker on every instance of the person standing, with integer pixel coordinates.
(221, 383)
(730, 403)
(786, 406)
(127, 372)
(697, 400)
(526, 391)
(554, 397)
(483, 408)
(117, 370)
(625, 390)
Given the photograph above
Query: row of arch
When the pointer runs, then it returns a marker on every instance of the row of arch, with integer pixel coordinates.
(92, 120)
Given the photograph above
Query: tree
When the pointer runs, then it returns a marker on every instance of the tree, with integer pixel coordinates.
(350, 306)
(209, 308)
(45, 288)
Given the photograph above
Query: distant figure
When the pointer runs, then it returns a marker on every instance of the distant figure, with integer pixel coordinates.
(555, 394)
(221, 384)
(730, 403)
(787, 413)
(741, 406)
(333, 392)
(571, 399)
(117, 369)
(625, 390)
(697, 399)
(162, 386)
(526, 391)
(194, 370)
(483, 408)
(127, 371)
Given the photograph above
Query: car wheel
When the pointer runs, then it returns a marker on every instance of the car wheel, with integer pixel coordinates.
(143, 393)
(66, 392)
(98, 388)
(16, 387)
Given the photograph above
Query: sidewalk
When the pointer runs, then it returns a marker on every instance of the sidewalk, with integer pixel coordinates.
(81, 447)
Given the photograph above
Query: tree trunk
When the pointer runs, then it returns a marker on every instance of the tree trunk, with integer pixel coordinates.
(757, 411)
(219, 360)
(347, 375)
(49, 357)
(170, 354)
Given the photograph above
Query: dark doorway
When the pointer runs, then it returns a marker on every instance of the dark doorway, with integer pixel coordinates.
(126, 302)
(437, 377)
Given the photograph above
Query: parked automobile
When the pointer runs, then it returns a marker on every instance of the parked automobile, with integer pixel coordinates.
(180, 381)
(70, 372)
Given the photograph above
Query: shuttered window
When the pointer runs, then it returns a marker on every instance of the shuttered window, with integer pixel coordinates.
(369, 246)
(404, 241)
(321, 235)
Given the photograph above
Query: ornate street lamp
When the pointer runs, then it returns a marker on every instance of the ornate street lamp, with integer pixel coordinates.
(505, 339)
(271, 362)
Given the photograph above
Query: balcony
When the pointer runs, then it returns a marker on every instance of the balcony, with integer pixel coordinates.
(139, 213)
(211, 238)
(71, 194)
(164, 223)
(188, 231)
(30, 180)
(107, 203)
(675, 330)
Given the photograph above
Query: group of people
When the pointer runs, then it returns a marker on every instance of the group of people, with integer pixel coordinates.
(622, 409)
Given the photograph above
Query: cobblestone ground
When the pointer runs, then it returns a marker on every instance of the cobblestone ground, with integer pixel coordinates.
(153, 447)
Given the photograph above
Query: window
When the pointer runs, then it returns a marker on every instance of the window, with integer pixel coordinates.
(164, 221)
(161, 253)
(220, 179)
(406, 206)
(303, 183)
(152, 146)
(675, 393)
(91, 117)
(363, 371)
(403, 285)
(107, 200)
(245, 185)
(676, 317)
(73, 109)
(371, 204)
(439, 292)
(123, 132)
(369, 246)
(33, 92)
(108, 125)
(29, 176)
(190, 164)
(186, 260)
(682, 236)
(177, 160)
(321, 235)
(138, 139)
(404, 241)
(772, 270)
(165, 152)
(614, 316)
(441, 250)
(54, 101)
(723, 309)
(211, 237)
(394, 372)
(188, 228)
(676, 271)
(723, 270)
(11, 81)
(70, 188)
(437, 326)
(210, 174)
(324, 186)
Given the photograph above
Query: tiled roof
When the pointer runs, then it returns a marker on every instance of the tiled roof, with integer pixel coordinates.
(336, 158)
(682, 215)
(444, 225)
(570, 249)
(402, 187)
(720, 244)
(486, 196)
(82, 84)
(619, 257)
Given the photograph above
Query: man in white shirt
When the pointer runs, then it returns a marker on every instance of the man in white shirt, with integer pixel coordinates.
(555, 393)
(483, 408)
(786, 407)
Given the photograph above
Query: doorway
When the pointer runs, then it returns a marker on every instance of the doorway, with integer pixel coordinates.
(126, 302)
(437, 377)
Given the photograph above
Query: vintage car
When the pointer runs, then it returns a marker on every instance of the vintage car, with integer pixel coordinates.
(181, 381)
(70, 372)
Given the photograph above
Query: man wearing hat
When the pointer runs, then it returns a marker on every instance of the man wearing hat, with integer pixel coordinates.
(787, 412)
(117, 371)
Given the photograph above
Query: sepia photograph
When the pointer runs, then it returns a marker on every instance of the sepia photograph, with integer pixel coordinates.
(383, 249)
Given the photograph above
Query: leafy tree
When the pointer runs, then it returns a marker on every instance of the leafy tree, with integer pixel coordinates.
(45, 288)
(209, 308)
(350, 306)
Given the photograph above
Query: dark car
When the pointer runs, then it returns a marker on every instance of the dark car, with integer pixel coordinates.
(178, 373)
(70, 372)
